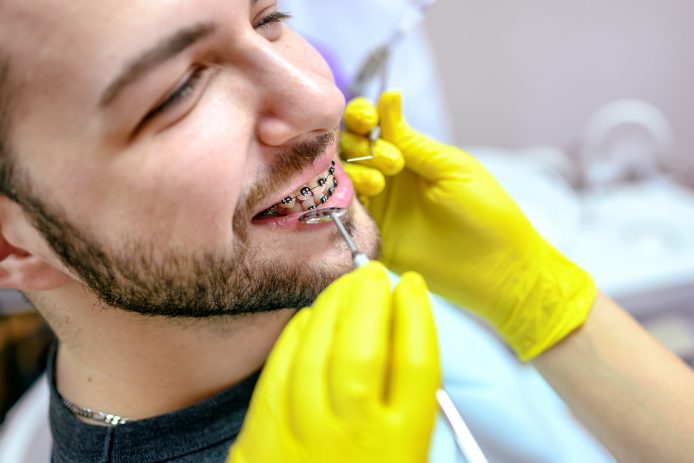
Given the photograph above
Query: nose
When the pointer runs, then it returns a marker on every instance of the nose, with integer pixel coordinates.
(297, 95)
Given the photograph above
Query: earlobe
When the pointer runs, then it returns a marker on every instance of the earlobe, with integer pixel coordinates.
(20, 267)
(24, 271)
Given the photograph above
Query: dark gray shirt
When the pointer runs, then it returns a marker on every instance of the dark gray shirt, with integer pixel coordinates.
(201, 433)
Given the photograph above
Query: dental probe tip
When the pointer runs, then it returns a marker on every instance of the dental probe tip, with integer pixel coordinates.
(360, 259)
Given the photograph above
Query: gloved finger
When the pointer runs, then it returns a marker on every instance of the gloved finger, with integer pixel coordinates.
(387, 158)
(416, 371)
(424, 156)
(361, 116)
(307, 385)
(366, 181)
(359, 358)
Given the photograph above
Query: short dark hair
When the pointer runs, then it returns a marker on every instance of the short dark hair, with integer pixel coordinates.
(6, 159)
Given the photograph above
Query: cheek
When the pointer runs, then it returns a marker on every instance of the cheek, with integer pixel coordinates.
(205, 171)
(183, 187)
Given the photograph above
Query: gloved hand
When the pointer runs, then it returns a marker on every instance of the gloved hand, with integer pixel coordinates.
(352, 379)
(447, 218)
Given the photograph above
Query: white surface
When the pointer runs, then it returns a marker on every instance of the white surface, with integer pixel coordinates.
(25, 437)
(636, 240)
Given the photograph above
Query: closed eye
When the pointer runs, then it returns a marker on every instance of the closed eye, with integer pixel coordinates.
(184, 91)
(272, 18)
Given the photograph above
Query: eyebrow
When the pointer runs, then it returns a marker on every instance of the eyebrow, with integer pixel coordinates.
(166, 49)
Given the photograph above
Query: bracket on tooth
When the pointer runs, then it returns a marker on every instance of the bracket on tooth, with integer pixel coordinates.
(322, 181)
(323, 199)
(287, 200)
(305, 191)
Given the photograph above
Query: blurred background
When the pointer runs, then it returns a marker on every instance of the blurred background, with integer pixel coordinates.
(534, 71)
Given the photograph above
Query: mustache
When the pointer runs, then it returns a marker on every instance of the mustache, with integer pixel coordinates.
(285, 164)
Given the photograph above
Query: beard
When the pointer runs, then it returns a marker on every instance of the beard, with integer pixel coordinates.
(180, 285)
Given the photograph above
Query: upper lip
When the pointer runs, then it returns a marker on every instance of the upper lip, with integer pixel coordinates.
(319, 165)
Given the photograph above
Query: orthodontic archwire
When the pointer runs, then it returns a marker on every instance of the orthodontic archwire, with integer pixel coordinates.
(305, 191)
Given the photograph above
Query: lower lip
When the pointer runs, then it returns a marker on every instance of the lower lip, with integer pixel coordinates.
(344, 193)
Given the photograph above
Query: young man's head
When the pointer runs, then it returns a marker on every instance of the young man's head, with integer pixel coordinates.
(142, 144)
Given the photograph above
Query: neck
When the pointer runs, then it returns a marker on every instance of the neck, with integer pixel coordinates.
(141, 367)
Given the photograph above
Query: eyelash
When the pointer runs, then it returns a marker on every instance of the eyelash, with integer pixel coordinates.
(187, 87)
(272, 18)
(179, 95)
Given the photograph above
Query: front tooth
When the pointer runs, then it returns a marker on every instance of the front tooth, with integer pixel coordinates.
(287, 204)
(308, 203)
(318, 193)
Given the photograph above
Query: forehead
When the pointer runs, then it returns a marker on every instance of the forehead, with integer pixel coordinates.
(64, 45)
(81, 27)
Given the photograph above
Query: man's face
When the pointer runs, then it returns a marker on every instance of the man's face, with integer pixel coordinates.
(149, 138)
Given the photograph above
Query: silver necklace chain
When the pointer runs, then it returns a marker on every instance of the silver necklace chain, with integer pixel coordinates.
(103, 418)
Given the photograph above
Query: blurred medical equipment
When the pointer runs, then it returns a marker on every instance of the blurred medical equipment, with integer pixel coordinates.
(617, 214)
(623, 141)
(346, 32)
(376, 64)
(464, 438)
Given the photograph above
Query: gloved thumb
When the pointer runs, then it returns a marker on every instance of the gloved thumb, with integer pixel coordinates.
(423, 155)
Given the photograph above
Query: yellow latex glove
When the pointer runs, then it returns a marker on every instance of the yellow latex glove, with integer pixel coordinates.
(447, 218)
(368, 177)
(352, 379)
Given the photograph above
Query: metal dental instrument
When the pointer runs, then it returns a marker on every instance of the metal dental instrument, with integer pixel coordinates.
(373, 136)
(376, 64)
(336, 215)
(466, 442)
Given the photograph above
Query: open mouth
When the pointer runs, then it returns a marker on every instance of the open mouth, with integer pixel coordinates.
(307, 198)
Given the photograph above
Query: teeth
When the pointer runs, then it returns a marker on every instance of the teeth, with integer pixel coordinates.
(308, 203)
(318, 191)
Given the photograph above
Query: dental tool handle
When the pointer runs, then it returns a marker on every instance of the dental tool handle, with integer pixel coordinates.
(466, 442)
(463, 437)
(360, 259)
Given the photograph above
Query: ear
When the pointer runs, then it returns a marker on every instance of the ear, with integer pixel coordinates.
(24, 260)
